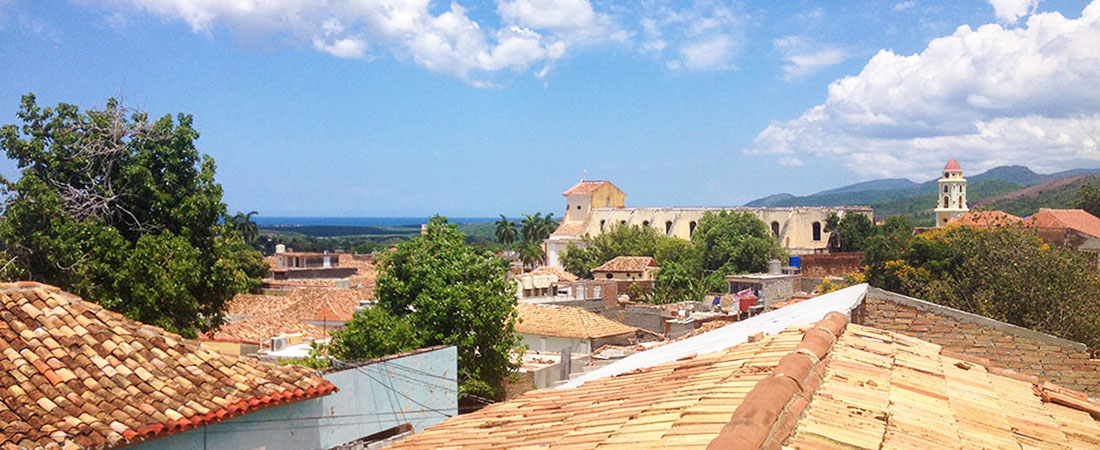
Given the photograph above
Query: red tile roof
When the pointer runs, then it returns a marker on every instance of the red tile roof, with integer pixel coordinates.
(566, 321)
(952, 166)
(1074, 219)
(78, 376)
(585, 187)
(272, 315)
(627, 264)
(830, 385)
(986, 219)
(556, 271)
(569, 229)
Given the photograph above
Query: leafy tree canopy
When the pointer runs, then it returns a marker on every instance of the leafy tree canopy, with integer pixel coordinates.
(1088, 198)
(723, 243)
(1006, 273)
(122, 211)
(437, 290)
(850, 233)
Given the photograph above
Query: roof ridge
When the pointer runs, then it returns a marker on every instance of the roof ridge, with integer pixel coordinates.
(772, 408)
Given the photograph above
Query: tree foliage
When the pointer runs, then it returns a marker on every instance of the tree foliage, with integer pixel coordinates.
(723, 243)
(849, 234)
(1088, 198)
(447, 293)
(505, 231)
(122, 211)
(1005, 273)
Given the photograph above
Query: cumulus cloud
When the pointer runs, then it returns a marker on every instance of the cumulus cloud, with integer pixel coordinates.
(530, 32)
(805, 57)
(902, 6)
(703, 35)
(988, 96)
(1010, 11)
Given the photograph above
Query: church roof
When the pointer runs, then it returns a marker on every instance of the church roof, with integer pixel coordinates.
(952, 166)
(986, 219)
(585, 187)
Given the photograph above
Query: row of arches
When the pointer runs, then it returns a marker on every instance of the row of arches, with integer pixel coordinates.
(815, 228)
(645, 223)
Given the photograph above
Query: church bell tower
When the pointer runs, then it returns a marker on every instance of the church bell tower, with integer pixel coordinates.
(952, 194)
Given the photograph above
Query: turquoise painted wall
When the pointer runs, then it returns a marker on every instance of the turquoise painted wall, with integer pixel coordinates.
(421, 389)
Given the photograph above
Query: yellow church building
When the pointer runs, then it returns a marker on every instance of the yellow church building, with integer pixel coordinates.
(593, 206)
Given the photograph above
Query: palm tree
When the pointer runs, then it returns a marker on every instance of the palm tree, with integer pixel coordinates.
(531, 253)
(506, 231)
(244, 224)
(531, 227)
(547, 227)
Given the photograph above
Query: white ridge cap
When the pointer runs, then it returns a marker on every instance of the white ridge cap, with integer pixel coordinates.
(771, 322)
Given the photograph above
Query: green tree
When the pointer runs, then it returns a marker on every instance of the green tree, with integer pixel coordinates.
(450, 293)
(531, 254)
(506, 231)
(374, 332)
(242, 223)
(122, 211)
(850, 233)
(1005, 273)
(733, 242)
(1088, 198)
(619, 240)
(536, 228)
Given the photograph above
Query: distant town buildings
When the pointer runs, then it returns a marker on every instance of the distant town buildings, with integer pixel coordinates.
(952, 194)
(627, 268)
(593, 207)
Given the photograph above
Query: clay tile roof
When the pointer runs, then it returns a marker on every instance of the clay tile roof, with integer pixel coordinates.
(585, 187)
(569, 229)
(1074, 219)
(986, 219)
(78, 376)
(952, 166)
(566, 321)
(262, 317)
(556, 271)
(627, 264)
(827, 385)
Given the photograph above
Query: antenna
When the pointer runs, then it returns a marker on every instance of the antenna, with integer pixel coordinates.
(585, 175)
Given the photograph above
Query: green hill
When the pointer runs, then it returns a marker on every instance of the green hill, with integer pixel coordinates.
(1059, 193)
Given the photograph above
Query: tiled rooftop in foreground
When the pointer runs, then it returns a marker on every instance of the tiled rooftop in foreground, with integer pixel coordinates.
(74, 375)
(800, 388)
(566, 321)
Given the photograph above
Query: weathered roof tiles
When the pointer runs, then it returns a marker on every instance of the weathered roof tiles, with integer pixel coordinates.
(75, 375)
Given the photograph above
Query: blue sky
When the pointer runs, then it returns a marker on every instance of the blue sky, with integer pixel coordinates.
(407, 108)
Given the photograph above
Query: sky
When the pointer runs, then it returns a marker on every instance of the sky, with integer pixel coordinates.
(477, 108)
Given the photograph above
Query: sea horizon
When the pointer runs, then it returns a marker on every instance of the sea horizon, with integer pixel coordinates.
(366, 221)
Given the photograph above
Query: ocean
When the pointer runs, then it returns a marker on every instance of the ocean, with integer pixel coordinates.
(272, 221)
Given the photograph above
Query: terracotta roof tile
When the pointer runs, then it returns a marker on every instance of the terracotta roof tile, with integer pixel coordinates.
(1075, 219)
(986, 219)
(832, 385)
(585, 187)
(569, 229)
(566, 321)
(952, 166)
(556, 271)
(627, 264)
(113, 381)
(261, 317)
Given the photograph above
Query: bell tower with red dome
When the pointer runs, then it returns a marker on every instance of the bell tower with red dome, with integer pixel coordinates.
(951, 200)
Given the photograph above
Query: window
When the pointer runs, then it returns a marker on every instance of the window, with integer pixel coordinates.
(817, 231)
(645, 223)
(960, 201)
(607, 202)
(609, 275)
(578, 207)
(691, 228)
(622, 222)
(945, 189)
(668, 227)
(775, 228)
(945, 174)
(602, 222)
(945, 201)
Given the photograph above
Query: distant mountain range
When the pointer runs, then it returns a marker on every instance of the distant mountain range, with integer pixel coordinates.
(1017, 188)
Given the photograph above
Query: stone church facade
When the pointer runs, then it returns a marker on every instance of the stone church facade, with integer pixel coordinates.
(593, 207)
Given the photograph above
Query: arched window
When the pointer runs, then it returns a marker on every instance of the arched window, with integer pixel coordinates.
(817, 231)
(602, 222)
(775, 228)
(645, 223)
(668, 227)
(961, 201)
(945, 201)
(622, 222)
(691, 228)
(945, 189)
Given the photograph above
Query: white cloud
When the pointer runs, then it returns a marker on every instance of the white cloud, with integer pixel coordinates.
(790, 161)
(1010, 11)
(532, 32)
(806, 57)
(704, 35)
(902, 6)
(988, 96)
